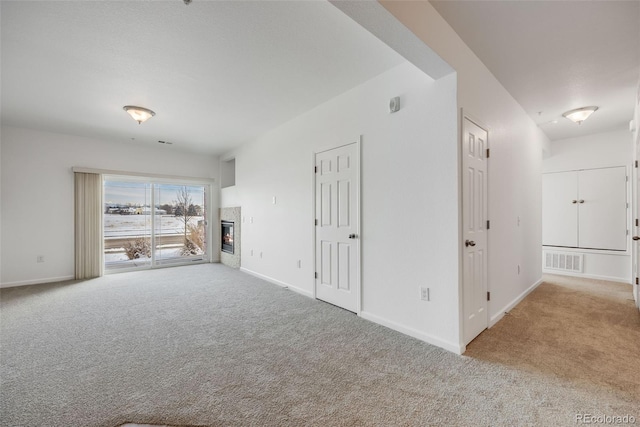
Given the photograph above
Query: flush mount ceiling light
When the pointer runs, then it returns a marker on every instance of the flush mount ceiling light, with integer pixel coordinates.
(579, 115)
(139, 114)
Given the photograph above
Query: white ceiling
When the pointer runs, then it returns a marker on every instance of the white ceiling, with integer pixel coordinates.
(217, 73)
(554, 56)
(220, 73)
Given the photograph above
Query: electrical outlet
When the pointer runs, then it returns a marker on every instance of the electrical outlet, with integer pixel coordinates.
(518, 270)
(424, 293)
(251, 252)
(299, 263)
(40, 258)
(260, 254)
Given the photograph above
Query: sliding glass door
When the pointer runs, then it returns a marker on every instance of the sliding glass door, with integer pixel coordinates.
(150, 224)
(180, 232)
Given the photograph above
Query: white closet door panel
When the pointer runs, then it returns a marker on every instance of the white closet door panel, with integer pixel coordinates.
(602, 217)
(559, 213)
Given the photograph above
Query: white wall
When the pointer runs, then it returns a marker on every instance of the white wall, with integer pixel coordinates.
(516, 144)
(227, 173)
(37, 194)
(613, 148)
(409, 179)
(598, 150)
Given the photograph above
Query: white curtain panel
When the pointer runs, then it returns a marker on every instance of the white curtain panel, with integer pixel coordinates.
(89, 241)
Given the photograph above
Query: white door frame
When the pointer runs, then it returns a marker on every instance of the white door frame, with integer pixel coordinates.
(358, 285)
(461, 254)
(635, 214)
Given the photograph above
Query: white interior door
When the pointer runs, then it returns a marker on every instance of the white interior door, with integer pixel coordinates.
(560, 209)
(474, 222)
(602, 208)
(337, 193)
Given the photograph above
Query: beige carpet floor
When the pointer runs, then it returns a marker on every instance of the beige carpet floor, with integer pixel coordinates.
(584, 331)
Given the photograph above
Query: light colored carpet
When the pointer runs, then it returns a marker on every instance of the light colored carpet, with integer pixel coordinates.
(206, 345)
(584, 331)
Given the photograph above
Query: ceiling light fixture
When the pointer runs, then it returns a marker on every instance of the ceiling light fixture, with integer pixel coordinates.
(139, 114)
(579, 115)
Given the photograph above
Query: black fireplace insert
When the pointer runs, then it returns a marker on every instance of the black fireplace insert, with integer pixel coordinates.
(227, 237)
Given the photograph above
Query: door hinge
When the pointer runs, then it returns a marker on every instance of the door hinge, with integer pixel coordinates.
(488, 296)
(315, 169)
(636, 163)
(637, 281)
(315, 275)
(488, 224)
(637, 223)
(316, 222)
(627, 232)
(488, 153)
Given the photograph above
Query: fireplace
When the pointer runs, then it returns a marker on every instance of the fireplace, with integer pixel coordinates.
(227, 236)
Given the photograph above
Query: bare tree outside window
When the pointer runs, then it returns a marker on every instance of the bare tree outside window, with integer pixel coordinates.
(185, 214)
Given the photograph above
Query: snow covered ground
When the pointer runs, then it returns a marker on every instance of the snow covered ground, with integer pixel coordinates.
(116, 225)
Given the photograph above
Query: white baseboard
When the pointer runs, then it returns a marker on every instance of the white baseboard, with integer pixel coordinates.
(500, 314)
(588, 276)
(278, 282)
(36, 282)
(454, 348)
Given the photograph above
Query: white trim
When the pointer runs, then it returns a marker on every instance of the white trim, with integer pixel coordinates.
(496, 317)
(359, 242)
(36, 282)
(588, 276)
(429, 339)
(144, 175)
(277, 282)
(313, 229)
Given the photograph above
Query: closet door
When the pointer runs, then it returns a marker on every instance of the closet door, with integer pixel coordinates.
(602, 214)
(560, 209)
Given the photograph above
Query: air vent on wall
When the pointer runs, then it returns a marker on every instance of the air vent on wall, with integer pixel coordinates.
(564, 261)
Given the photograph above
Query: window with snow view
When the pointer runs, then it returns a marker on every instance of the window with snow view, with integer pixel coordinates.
(148, 224)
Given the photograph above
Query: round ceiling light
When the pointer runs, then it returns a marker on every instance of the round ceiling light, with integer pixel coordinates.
(139, 114)
(579, 115)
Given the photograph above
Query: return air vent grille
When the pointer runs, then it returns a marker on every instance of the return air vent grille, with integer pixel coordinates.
(563, 261)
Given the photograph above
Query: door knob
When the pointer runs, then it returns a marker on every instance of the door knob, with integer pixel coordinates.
(574, 201)
(352, 236)
(469, 243)
(636, 237)
(580, 201)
